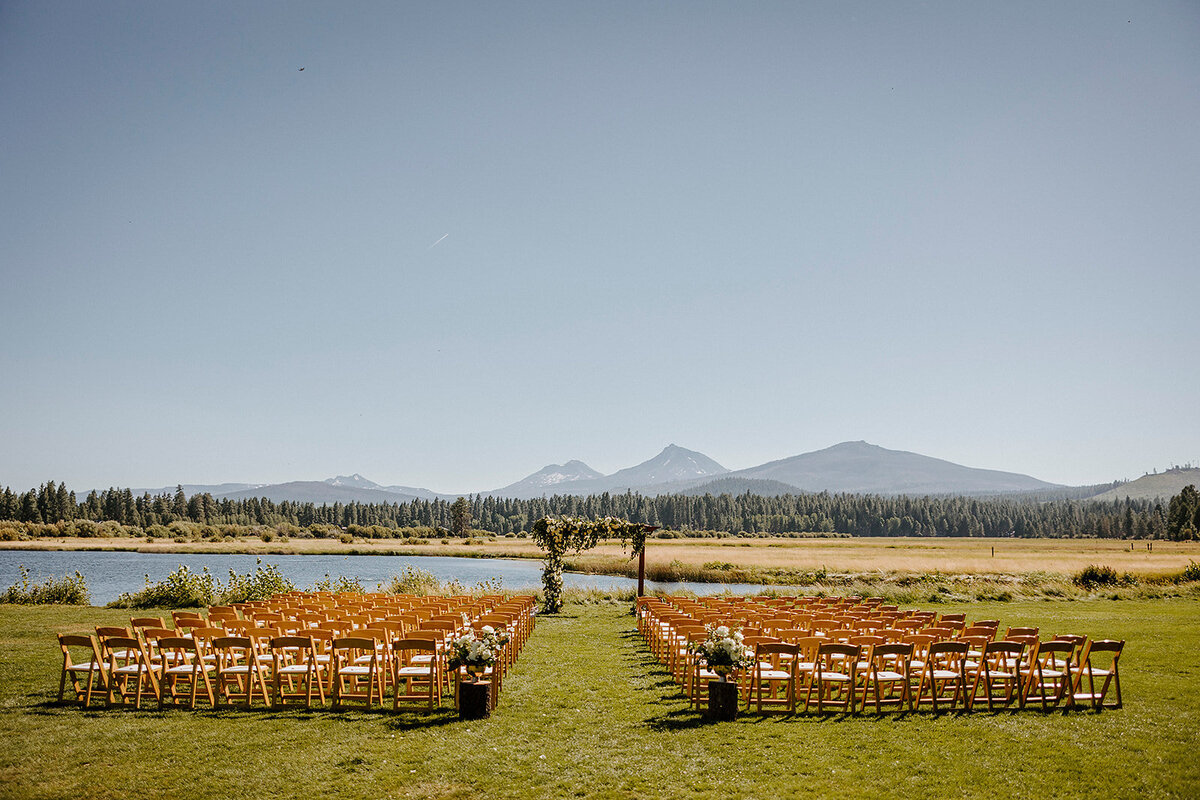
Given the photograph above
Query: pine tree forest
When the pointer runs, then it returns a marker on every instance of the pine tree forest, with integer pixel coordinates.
(737, 515)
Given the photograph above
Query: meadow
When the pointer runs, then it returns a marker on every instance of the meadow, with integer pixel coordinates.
(588, 713)
(844, 555)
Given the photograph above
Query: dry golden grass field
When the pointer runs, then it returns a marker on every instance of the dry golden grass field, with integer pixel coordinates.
(862, 555)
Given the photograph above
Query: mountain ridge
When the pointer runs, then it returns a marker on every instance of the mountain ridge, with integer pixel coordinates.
(855, 467)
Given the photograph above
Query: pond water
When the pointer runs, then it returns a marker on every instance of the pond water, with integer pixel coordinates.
(108, 573)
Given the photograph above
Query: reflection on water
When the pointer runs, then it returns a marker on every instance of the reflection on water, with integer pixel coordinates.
(108, 574)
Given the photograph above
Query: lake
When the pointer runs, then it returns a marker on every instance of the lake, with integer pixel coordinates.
(110, 573)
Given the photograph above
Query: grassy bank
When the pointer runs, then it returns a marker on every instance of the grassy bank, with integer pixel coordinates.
(587, 713)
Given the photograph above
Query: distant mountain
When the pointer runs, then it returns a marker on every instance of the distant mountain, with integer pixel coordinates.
(550, 479)
(1159, 486)
(670, 467)
(674, 463)
(862, 468)
(354, 481)
(319, 492)
(850, 467)
(215, 489)
(357, 481)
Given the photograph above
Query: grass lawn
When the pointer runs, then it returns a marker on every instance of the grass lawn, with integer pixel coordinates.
(587, 713)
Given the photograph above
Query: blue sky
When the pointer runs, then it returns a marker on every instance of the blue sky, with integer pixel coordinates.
(468, 240)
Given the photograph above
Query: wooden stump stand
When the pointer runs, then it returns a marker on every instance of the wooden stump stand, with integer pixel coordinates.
(475, 700)
(722, 700)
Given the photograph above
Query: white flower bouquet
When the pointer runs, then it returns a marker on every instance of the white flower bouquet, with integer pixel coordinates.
(478, 652)
(723, 650)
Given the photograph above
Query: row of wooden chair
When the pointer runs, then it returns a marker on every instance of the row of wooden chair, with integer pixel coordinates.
(349, 652)
(947, 665)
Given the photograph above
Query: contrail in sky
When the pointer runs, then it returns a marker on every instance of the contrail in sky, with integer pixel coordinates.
(435, 244)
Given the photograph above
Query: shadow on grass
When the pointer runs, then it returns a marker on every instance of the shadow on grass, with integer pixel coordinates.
(394, 720)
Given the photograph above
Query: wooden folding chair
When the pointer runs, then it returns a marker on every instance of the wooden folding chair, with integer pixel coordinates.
(356, 661)
(416, 672)
(130, 672)
(238, 671)
(887, 678)
(295, 672)
(1000, 669)
(74, 670)
(834, 677)
(1048, 675)
(1107, 652)
(183, 665)
(945, 670)
(775, 665)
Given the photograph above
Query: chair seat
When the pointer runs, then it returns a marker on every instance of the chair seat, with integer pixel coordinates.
(187, 669)
(406, 671)
(354, 669)
(91, 666)
(774, 675)
(886, 675)
(131, 669)
(294, 669)
(834, 676)
(944, 674)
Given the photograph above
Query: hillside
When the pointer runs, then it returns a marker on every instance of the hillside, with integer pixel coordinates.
(1159, 486)
(319, 492)
(862, 468)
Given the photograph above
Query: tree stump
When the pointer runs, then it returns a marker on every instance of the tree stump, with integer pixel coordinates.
(474, 700)
(722, 700)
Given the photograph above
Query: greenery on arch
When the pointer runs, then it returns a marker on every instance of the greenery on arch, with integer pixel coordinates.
(558, 536)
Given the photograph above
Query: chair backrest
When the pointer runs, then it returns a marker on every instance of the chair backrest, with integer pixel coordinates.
(1011, 632)
(1005, 648)
(947, 655)
(896, 656)
(68, 640)
(403, 649)
(108, 631)
(146, 622)
(826, 651)
(154, 634)
(188, 624)
(771, 652)
(233, 644)
(351, 646)
(938, 631)
(979, 630)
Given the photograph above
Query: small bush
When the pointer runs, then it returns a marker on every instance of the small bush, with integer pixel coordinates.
(346, 538)
(412, 581)
(263, 583)
(12, 532)
(69, 590)
(1095, 575)
(181, 589)
(339, 585)
(1191, 572)
(267, 536)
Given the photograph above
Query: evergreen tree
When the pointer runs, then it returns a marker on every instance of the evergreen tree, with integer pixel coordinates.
(460, 513)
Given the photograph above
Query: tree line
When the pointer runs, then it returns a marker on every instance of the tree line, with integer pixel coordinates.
(744, 514)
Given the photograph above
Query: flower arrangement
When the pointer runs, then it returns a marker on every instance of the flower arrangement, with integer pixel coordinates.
(477, 652)
(723, 650)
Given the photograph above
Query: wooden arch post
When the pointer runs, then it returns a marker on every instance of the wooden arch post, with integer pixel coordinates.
(642, 563)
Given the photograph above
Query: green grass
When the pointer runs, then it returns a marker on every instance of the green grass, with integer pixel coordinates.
(587, 713)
